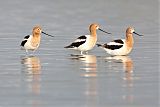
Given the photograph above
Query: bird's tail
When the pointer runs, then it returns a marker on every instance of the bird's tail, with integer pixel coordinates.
(99, 45)
(68, 46)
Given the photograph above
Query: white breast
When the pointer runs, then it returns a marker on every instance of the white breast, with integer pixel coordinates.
(28, 44)
(121, 51)
(89, 44)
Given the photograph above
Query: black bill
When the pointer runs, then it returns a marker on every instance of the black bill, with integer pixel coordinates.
(137, 34)
(103, 31)
(47, 34)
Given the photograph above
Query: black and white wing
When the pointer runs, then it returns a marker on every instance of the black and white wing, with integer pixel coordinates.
(79, 41)
(116, 44)
(24, 40)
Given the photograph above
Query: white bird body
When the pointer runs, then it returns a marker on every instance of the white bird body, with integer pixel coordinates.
(86, 42)
(32, 42)
(120, 46)
(124, 50)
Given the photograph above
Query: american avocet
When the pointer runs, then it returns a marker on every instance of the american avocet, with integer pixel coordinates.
(86, 42)
(31, 42)
(120, 46)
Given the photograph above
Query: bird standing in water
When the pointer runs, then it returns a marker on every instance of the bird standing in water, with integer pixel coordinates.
(86, 42)
(120, 46)
(32, 42)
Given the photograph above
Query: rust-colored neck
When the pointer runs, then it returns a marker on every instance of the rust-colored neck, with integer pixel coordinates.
(129, 39)
(36, 40)
(36, 35)
(93, 32)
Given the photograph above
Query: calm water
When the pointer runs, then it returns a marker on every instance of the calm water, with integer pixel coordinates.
(56, 77)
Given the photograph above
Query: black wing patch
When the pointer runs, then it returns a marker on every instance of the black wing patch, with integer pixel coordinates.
(75, 44)
(112, 47)
(82, 37)
(80, 40)
(23, 42)
(119, 41)
(26, 37)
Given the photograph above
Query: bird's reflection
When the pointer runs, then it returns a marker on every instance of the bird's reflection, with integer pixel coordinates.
(89, 65)
(128, 75)
(31, 64)
(126, 60)
(32, 70)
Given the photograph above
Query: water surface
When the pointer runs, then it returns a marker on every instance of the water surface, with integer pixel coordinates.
(56, 77)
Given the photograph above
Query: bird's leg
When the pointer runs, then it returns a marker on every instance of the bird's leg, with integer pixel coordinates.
(81, 52)
(34, 51)
(27, 52)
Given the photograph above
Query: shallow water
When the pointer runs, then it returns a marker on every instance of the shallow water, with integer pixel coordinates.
(54, 76)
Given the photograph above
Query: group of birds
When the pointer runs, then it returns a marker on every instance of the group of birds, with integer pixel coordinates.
(85, 43)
